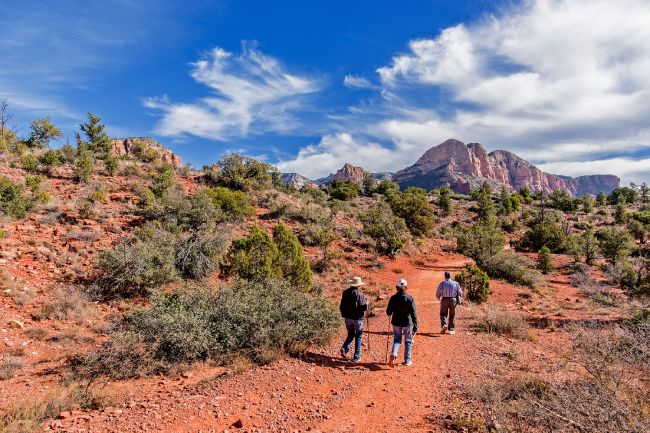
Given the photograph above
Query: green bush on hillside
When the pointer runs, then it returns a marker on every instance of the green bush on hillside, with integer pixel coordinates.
(475, 283)
(544, 233)
(413, 207)
(343, 189)
(199, 252)
(239, 172)
(259, 320)
(234, 204)
(615, 244)
(13, 201)
(388, 230)
(512, 267)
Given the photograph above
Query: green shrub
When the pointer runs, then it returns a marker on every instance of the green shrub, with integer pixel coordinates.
(29, 163)
(292, 261)
(413, 207)
(481, 241)
(475, 283)
(67, 153)
(234, 204)
(544, 233)
(50, 160)
(258, 320)
(163, 180)
(13, 202)
(199, 252)
(387, 188)
(83, 169)
(623, 194)
(444, 200)
(343, 189)
(389, 231)
(98, 142)
(144, 152)
(483, 198)
(239, 172)
(615, 244)
(111, 164)
(512, 267)
(254, 257)
(137, 266)
(544, 260)
(561, 200)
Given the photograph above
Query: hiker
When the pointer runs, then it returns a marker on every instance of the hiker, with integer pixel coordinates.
(449, 294)
(353, 307)
(401, 307)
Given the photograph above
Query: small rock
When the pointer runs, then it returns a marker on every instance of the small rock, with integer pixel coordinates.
(65, 415)
(237, 424)
(16, 324)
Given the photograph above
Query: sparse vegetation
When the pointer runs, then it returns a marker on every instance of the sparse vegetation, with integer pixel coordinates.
(496, 321)
(475, 283)
(258, 320)
(389, 231)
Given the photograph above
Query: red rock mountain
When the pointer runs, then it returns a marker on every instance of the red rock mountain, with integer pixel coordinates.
(464, 167)
(347, 173)
(132, 145)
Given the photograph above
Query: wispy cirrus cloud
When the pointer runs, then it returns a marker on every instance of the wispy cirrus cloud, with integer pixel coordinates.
(560, 82)
(251, 93)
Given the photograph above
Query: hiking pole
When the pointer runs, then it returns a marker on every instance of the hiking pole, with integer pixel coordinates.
(368, 329)
(387, 342)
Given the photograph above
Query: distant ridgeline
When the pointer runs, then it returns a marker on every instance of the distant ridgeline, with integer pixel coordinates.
(465, 167)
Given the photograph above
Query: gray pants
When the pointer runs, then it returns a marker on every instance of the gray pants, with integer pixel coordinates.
(448, 307)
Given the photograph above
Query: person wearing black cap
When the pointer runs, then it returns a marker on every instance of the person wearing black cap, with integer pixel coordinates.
(449, 294)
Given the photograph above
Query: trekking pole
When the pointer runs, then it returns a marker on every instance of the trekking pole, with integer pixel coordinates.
(368, 329)
(387, 342)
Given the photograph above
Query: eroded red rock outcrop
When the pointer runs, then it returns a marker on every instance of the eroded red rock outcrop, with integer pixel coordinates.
(132, 145)
(464, 167)
(347, 173)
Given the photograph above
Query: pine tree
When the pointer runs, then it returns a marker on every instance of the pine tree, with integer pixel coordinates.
(43, 131)
(506, 202)
(544, 260)
(291, 258)
(444, 199)
(483, 197)
(254, 257)
(83, 163)
(98, 140)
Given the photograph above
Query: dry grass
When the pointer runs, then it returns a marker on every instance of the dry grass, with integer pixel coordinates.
(496, 321)
(606, 393)
(69, 304)
(9, 368)
(36, 333)
(27, 416)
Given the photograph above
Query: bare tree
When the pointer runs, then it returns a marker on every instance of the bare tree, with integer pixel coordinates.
(5, 118)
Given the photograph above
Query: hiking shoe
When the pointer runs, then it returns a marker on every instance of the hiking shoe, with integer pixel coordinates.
(391, 361)
(343, 354)
(356, 360)
(452, 332)
(444, 329)
(408, 363)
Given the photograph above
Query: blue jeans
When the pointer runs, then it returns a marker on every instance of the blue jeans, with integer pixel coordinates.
(407, 332)
(355, 332)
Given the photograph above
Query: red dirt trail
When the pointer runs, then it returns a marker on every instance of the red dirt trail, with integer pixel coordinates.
(320, 392)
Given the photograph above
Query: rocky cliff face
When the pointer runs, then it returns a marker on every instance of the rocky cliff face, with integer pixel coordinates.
(464, 167)
(132, 146)
(296, 181)
(347, 173)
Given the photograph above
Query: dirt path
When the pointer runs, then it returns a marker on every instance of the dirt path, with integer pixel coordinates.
(320, 392)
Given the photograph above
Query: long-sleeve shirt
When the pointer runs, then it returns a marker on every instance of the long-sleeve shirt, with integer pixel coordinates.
(353, 304)
(402, 307)
(449, 289)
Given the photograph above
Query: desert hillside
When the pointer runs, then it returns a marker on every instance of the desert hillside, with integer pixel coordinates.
(140, 294)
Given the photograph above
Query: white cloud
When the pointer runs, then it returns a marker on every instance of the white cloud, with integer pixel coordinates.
(632, 170)
(252, 93)
(356, 82)
(557, 81)
(321, 159)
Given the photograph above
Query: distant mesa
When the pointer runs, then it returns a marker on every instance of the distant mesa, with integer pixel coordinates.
(465, 167)
(133, 146)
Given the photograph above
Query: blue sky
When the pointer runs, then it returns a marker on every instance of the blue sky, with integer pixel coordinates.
(312, 85)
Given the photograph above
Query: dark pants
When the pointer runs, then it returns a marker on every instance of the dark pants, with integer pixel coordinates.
(448, 308)
(355, 332)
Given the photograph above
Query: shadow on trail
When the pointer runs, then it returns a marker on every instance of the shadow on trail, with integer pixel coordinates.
(332, 362)
(428, 334)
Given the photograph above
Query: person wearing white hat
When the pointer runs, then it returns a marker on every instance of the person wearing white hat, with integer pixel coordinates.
(353, 307)
(401, 307)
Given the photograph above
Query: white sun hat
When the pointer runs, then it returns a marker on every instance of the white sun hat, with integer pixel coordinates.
(356, 282)
(401, 283)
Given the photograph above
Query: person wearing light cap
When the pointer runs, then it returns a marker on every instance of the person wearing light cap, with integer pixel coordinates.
(449, 294)
(353, 307)
(401, 307)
